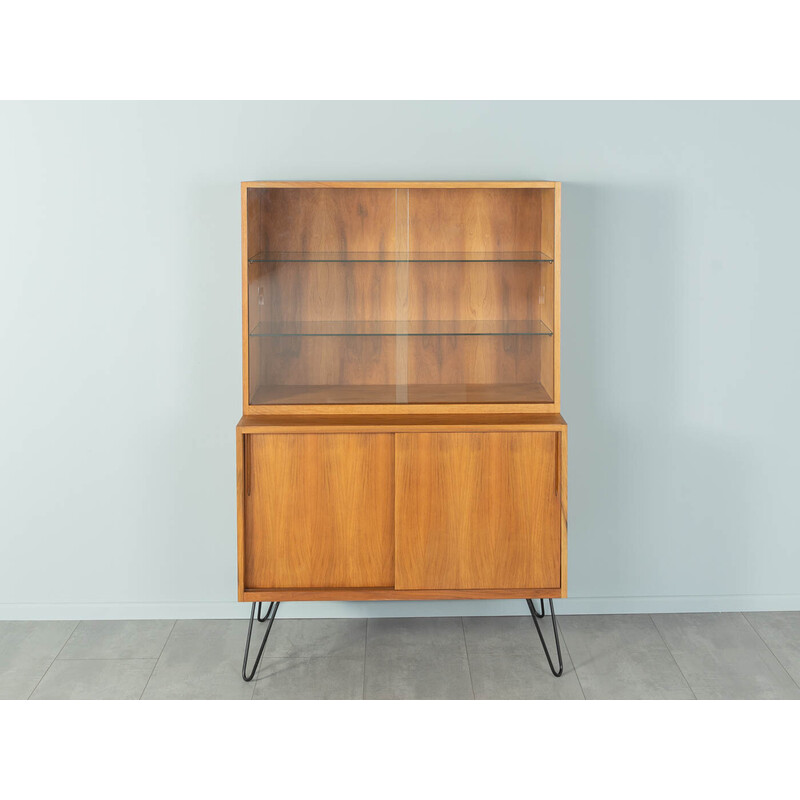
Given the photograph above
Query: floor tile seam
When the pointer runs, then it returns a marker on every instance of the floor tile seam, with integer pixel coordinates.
(672, 655)
(72, 632)
(469, 665)
(764, 641)
(574, 667)
(310, 658)
(479, 651)
(66, 660)
(364, 672)
(498, 651)
(265, 656)
(152, 671)
(426, 653)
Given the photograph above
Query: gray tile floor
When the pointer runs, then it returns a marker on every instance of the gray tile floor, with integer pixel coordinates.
(668, 656)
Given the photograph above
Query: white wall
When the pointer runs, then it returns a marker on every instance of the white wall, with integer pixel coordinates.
(120, 340)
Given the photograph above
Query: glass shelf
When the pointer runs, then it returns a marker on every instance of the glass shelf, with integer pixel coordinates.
(469, 327)
(532, 256)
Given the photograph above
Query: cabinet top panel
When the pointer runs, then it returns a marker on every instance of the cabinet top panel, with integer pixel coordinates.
(400, 184)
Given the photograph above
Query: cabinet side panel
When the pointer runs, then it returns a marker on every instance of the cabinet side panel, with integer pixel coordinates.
(549, 297)
(564, 514)
(477, 510)
(240, 512)
(319, 511)
(245, 321)
(551, 234)
(254, 240)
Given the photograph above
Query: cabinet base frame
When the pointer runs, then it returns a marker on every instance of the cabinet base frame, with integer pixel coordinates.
(388, 593)
(272, 611)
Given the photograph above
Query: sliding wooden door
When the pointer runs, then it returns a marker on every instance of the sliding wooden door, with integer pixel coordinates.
(477, 510)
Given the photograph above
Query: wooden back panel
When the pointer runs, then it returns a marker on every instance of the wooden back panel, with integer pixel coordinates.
(321, 220)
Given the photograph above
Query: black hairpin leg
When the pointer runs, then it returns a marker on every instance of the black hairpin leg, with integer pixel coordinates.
(536, 618)
(269, 618)
(536, 613)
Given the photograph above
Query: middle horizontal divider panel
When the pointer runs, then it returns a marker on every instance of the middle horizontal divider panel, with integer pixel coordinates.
(477, 510)
(319, 510)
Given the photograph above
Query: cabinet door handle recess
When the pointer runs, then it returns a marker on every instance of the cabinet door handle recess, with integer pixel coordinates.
(558, 463)
(247, 478)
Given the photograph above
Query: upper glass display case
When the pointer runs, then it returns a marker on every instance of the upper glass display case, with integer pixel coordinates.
(404, 295)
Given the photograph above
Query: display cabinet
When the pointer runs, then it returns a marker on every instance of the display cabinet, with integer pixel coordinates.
(401, 436)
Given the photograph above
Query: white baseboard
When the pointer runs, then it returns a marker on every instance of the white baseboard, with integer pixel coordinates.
(440, 608)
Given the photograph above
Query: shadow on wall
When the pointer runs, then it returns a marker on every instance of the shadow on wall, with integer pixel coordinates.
(658, 506)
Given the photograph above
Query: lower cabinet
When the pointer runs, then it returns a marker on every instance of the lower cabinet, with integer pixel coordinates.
(401, 512)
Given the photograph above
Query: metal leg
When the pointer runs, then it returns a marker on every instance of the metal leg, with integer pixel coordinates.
(536, 613)
(536, 618)
(269, 618)
(266, 616)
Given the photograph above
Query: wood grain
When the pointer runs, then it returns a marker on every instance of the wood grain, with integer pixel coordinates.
(325, 219)
(474, 219)
(487, 361)
(476, 511)
(331, 363)
(319, 510)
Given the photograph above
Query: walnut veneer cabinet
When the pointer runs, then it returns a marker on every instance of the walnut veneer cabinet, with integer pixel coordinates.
(402, 436)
